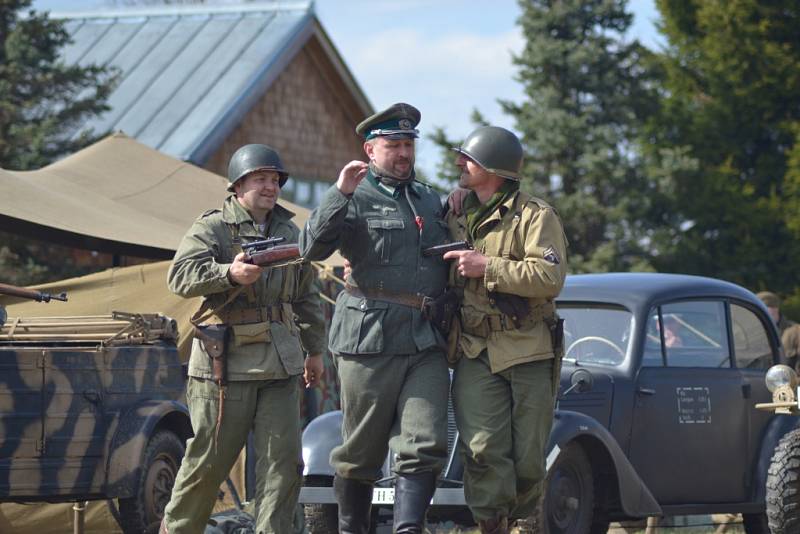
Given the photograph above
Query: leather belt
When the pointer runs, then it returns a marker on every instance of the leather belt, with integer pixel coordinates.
(250, 315)
(393, 297)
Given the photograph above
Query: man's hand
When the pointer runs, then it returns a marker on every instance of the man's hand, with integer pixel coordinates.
(243, 273)
(348, 269)
(455, 200)
(313, 370)
(471, 263)
(351, 176)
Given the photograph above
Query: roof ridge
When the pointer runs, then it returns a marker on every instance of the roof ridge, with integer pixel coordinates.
(182, 9)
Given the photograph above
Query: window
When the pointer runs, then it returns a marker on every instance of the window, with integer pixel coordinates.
(693, 334)
(596, 334)
(750, 341)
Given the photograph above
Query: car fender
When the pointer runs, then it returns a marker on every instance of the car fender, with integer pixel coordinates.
(321, 435)
(778, 426)
(134, 428)
(568, 426)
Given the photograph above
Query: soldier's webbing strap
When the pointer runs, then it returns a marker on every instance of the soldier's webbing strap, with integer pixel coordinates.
(201, 315)
(393, 297)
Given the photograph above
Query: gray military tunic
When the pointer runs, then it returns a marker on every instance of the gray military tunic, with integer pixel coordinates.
(393, 374)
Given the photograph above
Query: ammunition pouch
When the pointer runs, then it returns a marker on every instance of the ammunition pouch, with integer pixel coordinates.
(441, 311)
(514, 307)
(214, 338)
(250, 334)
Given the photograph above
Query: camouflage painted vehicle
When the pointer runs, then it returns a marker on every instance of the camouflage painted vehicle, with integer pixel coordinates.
(92, 408)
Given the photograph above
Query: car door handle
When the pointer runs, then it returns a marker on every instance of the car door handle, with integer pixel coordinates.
(646, 391)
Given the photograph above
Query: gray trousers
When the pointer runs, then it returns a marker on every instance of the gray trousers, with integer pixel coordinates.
(397, 401)
(271, 408)
(504, 422)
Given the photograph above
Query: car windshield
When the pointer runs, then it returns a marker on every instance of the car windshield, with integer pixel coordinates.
(595, 334)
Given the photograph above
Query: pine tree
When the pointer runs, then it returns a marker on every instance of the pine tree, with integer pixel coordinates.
(587, 92)
(43, 102)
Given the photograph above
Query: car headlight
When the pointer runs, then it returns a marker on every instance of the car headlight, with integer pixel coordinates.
(780, 376)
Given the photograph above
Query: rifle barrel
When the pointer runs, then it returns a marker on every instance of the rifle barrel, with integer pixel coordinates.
(40, 296)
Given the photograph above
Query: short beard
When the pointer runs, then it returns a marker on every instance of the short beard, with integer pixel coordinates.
(384, 172)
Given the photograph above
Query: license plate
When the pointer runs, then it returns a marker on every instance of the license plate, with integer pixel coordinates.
(383, 496)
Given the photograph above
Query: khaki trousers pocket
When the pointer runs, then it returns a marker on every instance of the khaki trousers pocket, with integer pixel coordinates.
(249, 334)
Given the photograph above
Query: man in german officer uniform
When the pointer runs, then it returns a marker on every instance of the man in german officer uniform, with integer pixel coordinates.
(390, 359)
(509, 347)
(264, 354)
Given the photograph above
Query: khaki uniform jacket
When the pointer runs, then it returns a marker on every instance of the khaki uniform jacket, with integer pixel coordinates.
(261, 350)
(525, 242)
(376, 231)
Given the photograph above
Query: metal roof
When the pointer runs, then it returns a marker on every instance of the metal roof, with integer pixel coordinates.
(189, 74)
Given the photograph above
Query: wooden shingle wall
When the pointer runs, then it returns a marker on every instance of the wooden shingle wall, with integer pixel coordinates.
(306, 115)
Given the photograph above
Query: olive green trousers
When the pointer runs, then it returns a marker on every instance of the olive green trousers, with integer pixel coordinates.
(397, 401)
(271, 408)
(504, 422)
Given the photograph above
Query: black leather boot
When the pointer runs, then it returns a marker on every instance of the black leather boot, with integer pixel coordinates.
(355, 504)
(412, 495)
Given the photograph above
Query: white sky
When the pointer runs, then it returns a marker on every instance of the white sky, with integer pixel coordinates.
(446, 57)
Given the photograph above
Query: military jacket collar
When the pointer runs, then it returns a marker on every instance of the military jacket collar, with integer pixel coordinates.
(393, 192)
(501, 210)
(234, 213)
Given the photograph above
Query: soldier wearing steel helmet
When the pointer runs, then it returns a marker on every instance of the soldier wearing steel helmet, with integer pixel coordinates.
(390, 358)
(265, 349)
(509, 350)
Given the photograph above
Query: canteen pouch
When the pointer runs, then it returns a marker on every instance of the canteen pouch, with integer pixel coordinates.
(249, 334)
(214, 338)
(441, 311)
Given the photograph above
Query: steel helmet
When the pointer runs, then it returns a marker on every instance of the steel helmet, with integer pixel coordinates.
(495, 149)
(251, 158)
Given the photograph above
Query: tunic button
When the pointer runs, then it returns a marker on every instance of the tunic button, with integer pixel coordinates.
(363, 306)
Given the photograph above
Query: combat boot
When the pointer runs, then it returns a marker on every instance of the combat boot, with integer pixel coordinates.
(412, 495)
(498, 525)
(355, 504)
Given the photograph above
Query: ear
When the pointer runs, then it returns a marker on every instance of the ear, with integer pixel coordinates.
(369, 149)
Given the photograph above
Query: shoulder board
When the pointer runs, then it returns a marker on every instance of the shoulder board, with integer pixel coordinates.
(539, 202)
(210, 212)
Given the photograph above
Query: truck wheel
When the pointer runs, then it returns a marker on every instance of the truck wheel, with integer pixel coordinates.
(145, 508)
(568, 500)
(783, 486)
(321, 518)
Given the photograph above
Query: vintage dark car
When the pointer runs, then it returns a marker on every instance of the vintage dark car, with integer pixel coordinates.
(656, 414)
(92, 408)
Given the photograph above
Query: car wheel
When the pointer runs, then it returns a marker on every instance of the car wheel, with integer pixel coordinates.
(321, 518)
(145, 508)
(783, 486)
(568, 501)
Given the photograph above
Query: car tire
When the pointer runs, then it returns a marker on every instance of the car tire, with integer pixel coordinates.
(567, 505)
(783, 486)
(321, 518)
(145, 509)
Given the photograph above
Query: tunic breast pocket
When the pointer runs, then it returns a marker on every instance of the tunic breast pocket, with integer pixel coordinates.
(386, 240)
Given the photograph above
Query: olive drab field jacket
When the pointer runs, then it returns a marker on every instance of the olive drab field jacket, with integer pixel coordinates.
(526, 245)
(265, 316)
(379, 233)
